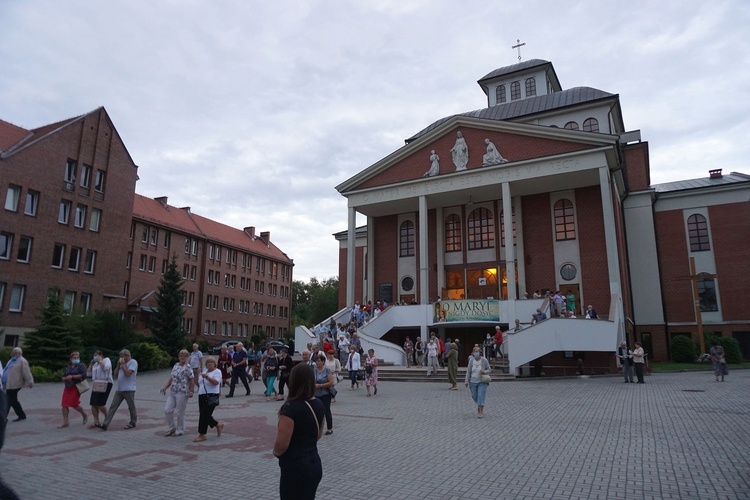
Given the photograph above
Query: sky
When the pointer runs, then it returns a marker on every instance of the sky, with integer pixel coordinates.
(252, 112)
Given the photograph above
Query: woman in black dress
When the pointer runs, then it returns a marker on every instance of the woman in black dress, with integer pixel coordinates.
(300, 428)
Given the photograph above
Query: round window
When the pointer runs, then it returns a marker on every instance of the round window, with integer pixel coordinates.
(407, 284)
(568, 272)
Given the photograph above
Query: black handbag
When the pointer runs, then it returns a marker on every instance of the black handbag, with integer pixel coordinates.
(368, 369)
(212, 400)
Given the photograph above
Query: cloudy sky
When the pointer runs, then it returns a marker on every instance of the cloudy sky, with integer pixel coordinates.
(251, 112)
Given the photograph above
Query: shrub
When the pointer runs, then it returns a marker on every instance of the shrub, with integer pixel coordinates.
(149, 356)
(42, 374)
(5, 355)
(731, 349)
(683, 349)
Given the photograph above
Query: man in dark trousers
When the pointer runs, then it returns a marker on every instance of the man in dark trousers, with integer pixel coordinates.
(239, 364)
(5, 491)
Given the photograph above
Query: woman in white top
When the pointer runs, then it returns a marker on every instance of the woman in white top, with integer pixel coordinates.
(208, 383)
(101, 382)
(478, 367)
(334, 365)
(353, 364)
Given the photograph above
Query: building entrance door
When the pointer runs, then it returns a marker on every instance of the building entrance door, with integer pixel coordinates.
(566, 289)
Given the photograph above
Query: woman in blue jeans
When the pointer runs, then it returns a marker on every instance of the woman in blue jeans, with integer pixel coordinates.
(478, 366)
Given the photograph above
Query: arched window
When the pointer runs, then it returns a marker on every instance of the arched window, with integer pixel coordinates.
(406, 240)
(530, 86)
(500, 94)
(591, 125)
(502, 226)
(698, 233)
(481, 229)
(515, 91)
(707, 293)
(571, 126)
(565, 225)
(453, 233)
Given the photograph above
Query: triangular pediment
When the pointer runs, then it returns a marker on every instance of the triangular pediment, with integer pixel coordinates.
(513, 142)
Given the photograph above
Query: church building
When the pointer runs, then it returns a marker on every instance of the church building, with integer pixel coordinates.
(480, 214)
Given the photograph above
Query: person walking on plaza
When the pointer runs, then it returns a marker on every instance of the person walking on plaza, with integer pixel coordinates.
(409, 350)
(73, 374)
(180, 385)
(489, 347)
(333, 364)
(209, 383)
(239, 362)
(286, 363)
(477, 378)
(371, 371)
(419, 352)
(101, 385)
(638, 361)
(196, 361)
(498, 342)
(16, 376)
(126, 371)
(452, 361)
(625, 359)
(299, 429)
(353, 365)
(432, 357)
(225, 365)
(5, 491)
(323, 384)
(719, 361)
(271, 367)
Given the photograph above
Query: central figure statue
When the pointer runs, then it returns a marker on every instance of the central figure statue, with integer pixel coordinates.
(460, 153)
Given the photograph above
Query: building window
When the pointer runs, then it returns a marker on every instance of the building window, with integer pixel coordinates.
(185, 271)
(154, 237)
(128, 260)
(58, 256)
(515, 91)
(90, 262)
(85, 303)
(11, 199)
(80, 216)
(565, 226)
(591, 125)
(164, 265)
(6, 244)
(502, 227)
(530, 87)
(406, 239)
(195, 247)
(453, 233)
(187, 245)
(167, 239)
(144, 261)
(32, 202)
(74, 259)
(152, 264)
(481, 229)
(698, 233)
(70, 171)
(24, 249)
(85, 176)
(16, 298)
(189, 325)
(96, 216)
(144, 235)
(571, 126)
(63, 216)
(2, 295)
(191, 299)
(210, 252)
(707, 293)
(99, 181)
(500, 94)
(216, 302)
(69, 300)
(193, 272)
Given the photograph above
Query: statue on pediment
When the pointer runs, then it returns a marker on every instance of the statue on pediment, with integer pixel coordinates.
(434, 165)
(493, 156)
(460, 153)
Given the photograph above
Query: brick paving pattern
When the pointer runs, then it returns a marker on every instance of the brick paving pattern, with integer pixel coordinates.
(678, 436)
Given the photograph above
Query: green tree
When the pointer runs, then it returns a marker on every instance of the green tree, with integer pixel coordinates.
(104, 330)
(166, 321)
(314, 301)
(50, 344)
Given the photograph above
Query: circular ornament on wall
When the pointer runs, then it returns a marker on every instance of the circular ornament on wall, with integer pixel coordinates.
(568, 272)
(407, 283)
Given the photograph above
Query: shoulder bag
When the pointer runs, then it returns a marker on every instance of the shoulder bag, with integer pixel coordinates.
(83, 386)
(99, 386)
(212, 399)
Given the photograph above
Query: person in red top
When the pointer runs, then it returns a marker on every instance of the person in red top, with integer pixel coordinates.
(498, 342)
(442, 352)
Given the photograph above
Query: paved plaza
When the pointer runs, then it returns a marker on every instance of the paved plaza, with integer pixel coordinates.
(680, 435)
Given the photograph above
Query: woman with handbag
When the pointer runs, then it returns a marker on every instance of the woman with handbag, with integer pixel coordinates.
(478, 377)
(73, 375)
(180, 384)
(324, 389)
(296, 446)
(371, 371)
(208, 399)
(353, 365)
(333, 364)
(271, 367)
(101, 385)
(719, 361)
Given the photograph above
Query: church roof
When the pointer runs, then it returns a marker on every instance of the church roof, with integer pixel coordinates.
(513, 68)
(526, 107)
(11, 134)
(703, 182)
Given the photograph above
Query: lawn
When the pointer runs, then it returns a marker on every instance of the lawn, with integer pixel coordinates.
(669, 366)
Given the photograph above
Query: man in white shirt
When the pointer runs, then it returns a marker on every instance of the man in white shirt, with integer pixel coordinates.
(126, 370)
(196, 361)
(432, 357)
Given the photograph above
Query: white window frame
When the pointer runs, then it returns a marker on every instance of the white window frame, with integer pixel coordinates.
(6, 249)
(90, 262)
(99, 181)
(12, 198)
(63, 214)
(95, 219)
(85, 176)
(32, 203)
(80, 220)
(85, 303)
(24, 259)
(74, 252)
(70, 172)
(17, 295)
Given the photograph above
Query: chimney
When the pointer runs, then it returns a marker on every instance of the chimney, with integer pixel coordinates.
(714, 174)
(162, 200)
(266, 236)
(250, 231)
(187, 209)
